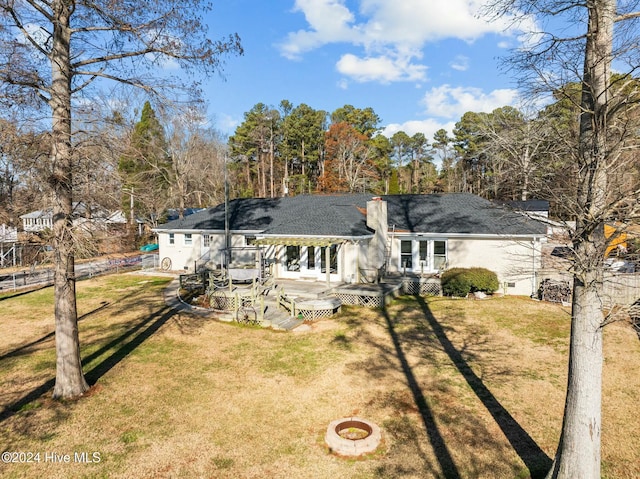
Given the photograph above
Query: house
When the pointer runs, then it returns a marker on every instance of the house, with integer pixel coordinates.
(37, 221)
(534, 208)
(96, 218)
(354, 238)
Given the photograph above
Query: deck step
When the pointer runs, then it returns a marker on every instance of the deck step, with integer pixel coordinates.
(286, 324)
(279, 319)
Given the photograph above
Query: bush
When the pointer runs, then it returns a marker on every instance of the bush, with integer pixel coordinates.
(455, 282)
(462, 281)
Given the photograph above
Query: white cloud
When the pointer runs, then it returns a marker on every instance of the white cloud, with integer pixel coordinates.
(460, 63)
(428, 126)
(453, 102)
(382, 68)
(343, 84)
(415, 22)
(329, 21)
(393, 31)
(227, 124)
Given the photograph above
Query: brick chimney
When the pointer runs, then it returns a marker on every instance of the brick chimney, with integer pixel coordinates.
(377, 221)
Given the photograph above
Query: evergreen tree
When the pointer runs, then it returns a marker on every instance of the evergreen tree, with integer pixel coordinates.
(145, 169)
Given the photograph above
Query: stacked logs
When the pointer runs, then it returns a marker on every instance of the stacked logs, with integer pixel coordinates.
(554, 291)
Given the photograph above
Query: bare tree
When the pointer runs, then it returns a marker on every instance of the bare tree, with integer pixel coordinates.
(20, 152)
(518, 146)
(350, 152)
(606, 128)
(54, 50)
(197, 160)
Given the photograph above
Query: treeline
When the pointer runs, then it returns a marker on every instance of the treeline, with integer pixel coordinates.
(293, 150)
(155, 160)
(507, 154)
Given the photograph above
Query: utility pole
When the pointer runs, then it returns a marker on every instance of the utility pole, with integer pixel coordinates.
(227, 237)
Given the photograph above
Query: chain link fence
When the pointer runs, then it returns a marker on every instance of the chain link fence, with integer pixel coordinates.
(43, 276)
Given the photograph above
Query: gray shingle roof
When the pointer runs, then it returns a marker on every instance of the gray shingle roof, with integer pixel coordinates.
(457, 213)
(342, 216)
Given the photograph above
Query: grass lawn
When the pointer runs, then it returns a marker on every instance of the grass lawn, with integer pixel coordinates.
(461, 389)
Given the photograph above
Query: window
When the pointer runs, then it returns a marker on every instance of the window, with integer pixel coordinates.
(423, 255)
(311, 257)
(292, 260)
(206, 241)
(406, 254)
(188, 240)
(333, 259)
(439, 254)
(424, 250)
(172, 238)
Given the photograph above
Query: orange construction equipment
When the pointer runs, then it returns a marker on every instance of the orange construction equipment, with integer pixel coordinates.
(617, 240)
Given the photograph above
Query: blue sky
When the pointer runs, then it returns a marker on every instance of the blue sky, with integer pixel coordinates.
(420, 64)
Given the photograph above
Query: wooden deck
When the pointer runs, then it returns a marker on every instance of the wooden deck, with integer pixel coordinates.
(287, 302)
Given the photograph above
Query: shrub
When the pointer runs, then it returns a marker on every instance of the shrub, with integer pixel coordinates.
(462, 281)
(455, 282)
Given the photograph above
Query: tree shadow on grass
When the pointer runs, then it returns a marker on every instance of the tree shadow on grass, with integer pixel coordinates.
(535, 459)
(122, 345)
(24, 292)
(28, 348)
(443, 455)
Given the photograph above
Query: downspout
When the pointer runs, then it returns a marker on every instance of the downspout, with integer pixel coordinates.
(227, 238)
(533, 268)
(358, 277)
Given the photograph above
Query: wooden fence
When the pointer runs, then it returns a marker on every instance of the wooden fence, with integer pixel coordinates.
(618, 289)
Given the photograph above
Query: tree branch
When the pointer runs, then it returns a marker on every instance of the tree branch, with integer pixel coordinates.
(23, 30)
(626, 16)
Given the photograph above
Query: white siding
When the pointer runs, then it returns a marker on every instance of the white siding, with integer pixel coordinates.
(350, 262)
(182, 256)
(515, 262)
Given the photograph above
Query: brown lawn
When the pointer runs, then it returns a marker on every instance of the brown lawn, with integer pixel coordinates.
(461, 389)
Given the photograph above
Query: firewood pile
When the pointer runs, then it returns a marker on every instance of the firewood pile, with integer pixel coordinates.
(554, 291)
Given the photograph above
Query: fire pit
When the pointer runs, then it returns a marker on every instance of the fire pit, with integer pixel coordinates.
(352, 436)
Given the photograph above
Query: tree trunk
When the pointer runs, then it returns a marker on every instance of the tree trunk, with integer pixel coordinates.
(578, 454)
(70, 381)
(526, 172)
(182, 188)
(263, 176)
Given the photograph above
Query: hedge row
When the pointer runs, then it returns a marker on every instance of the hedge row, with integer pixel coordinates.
(462, 281)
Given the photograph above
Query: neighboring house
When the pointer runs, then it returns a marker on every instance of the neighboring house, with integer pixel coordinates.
(359, 236)
(533, 208)
(37, 221)
(95, 219)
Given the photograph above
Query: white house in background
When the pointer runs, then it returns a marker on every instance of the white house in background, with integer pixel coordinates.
(37, 221)
(94, 219)
(359, 236)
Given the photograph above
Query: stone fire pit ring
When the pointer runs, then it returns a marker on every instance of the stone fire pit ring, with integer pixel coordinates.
(337, 436)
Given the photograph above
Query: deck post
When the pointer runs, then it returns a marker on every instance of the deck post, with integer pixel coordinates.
(261, 308)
